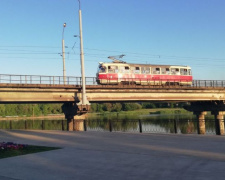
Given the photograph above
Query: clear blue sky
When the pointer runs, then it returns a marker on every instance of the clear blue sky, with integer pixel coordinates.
(181, 32)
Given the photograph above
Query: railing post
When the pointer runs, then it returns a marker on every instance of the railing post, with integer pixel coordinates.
(43, 125)
(10, 124)
(110, 126)
(85, 125)
(175, 126)
(140, 125)
(63, 125)
(25, 124)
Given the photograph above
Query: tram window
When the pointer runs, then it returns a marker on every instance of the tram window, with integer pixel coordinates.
(189, 72)
(142, 70)
(167, 70)
(112, 69)
(183, 71)
(127, 69)
(147, 70)
(102, 69)
(163, 70)
(155, 70)
(175, 71)
(137, 70)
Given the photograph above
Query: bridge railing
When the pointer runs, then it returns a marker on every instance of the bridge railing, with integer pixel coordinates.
(208, 83)
(35, 79)
(72, 80)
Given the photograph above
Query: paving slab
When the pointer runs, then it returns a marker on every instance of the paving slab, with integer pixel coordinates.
(116, 155)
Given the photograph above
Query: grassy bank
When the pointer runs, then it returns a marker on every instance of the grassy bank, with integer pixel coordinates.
(136, 113)
(47, 117)
(27, 150)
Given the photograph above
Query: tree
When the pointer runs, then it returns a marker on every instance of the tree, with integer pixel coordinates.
(147, 105)
(2, 110)
(131, 106)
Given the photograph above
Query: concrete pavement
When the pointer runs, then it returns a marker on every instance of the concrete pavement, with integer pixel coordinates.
(105, 155)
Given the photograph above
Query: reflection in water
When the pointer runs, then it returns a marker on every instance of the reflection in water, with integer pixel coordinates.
(181, 124)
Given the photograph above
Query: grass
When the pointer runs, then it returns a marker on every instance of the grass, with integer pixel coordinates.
(171, 111)
(145, 111)
(26, 150)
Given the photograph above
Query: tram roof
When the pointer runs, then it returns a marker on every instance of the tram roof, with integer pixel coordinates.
(134, 64)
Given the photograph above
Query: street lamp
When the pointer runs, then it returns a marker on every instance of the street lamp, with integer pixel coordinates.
(84, 101)
(63, 55)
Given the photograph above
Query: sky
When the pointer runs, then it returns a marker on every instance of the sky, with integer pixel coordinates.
(174, 32)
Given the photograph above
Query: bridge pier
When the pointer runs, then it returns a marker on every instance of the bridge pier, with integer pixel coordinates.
(217, 108)
(219, 121)
(201, 121)
(75, 116)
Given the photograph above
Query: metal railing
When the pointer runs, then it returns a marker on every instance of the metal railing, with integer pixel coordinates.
(71, 80)
(175, 126)
(133, 126)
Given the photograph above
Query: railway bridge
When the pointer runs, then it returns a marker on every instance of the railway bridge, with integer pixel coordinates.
(203, 95)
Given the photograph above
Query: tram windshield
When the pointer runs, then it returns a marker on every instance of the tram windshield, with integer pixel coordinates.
(189, 72)
(101, 69)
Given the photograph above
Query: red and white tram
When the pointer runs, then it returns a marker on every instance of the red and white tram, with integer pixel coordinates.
(120, 72)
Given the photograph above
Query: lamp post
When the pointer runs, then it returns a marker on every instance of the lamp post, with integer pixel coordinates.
(84, 101)
(63, 55)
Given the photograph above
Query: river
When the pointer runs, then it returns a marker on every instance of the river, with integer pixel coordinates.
(150, 123)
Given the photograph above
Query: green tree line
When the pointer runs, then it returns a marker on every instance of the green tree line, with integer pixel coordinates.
(117, 107)
(29, 109)
(45, 109)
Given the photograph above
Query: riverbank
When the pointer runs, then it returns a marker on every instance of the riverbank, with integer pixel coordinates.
(48, 117)
(106, 113)
(139, 112)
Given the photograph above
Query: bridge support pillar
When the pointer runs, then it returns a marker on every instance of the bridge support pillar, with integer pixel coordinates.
(78, 122)
(219, 121)
(201, 121)
(70, 126)
(75, 117)
(216, 107)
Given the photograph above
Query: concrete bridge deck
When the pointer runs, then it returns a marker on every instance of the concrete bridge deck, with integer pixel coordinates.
(41, 93)
(121, 156)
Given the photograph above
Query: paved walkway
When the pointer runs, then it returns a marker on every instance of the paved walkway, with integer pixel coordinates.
(105, 155)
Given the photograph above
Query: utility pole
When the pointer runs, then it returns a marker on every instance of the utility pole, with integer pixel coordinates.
(84, 101)
(63, 55)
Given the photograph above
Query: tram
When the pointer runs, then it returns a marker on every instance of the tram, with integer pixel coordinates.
(120, 72)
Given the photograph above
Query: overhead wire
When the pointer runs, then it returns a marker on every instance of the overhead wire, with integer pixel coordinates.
(135, 57)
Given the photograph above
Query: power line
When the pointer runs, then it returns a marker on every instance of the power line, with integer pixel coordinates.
(135, 56)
